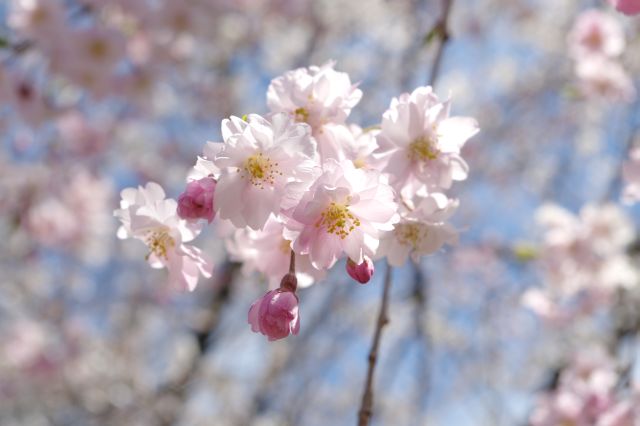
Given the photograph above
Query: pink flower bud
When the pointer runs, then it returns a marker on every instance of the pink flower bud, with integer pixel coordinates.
(362, 272)
(628, 7)
(275, 314)
(196, 202)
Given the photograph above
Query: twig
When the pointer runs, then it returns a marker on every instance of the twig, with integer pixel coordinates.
(366, 406)
(441, 29)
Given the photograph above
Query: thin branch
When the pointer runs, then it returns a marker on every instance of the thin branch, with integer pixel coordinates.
(366, 406)
(441, 31)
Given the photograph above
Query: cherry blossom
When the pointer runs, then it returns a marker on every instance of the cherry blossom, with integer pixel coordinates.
(596, 33)
(344, 211)
(421, 144)
(147, 215)
(262, 160)
(196, 202)
(423, 230)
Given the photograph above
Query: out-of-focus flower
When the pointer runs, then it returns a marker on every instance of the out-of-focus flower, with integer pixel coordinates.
(423, 230)
(585, 394)
(344, 211)
(314, 95)
(196, 202)
(360, 272)
(275, 314)
(261, 162)
(421, 144)
(604, 78)
(146, 215)
(631, 175)
(37, 19)
(628, 7)
(583, 258)
(596, 33)
(268, 252)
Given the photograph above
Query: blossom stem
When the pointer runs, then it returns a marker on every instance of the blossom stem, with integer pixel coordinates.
(442, 30)
(366, 406)
(292, 263)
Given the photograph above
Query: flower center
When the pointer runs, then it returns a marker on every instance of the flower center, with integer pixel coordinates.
(409, 234)
(423, 149)
(301, 115)
(98, 49)
(159, 242)
(338, 220)
(260, 170)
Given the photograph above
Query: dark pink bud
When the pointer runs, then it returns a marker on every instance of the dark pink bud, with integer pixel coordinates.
(196, 202)
(275, 314)
(362, 272)
(289, 282)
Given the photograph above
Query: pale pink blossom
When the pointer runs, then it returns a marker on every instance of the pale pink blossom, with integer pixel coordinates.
(275, 314)
(261, 164)
(583, 258)
(314, 95)
(584, 393)
(422, 230)
(596, 33)
(39, 20)
(344, 211)
(604, 78)
(421, 144)
(147, 215)
(268, 251)
(628, 7)
(196, 202)
(631, 176)
(360, 272)
(360, 148)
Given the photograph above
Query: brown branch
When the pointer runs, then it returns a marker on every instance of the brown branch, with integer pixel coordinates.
(366, 406)
(441, 31)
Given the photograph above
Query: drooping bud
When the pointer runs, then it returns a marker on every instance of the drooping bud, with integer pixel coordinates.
(275, 314)
(196, 202)
(362, 272)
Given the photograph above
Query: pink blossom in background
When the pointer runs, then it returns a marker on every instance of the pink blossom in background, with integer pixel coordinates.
(596, 33)
(196, 202)
(628, 7)
(275, 314)
(421, 144)
(268, 251)
(261, 161)
(631, 176)
(604, 78)
(344, 212)
(147, 215)
(360, 272)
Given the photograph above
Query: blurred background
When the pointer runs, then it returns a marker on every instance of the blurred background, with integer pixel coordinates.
(92, 336)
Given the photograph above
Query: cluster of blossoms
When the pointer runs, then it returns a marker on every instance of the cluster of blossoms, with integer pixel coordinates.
(583, 258)
(595, 43)
(588, 392)
(300, 188)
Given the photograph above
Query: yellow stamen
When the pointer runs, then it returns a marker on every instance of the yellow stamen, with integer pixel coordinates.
(423, 149)
(260, 170)
(338, 220)
(159, 242)
(409, 234)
